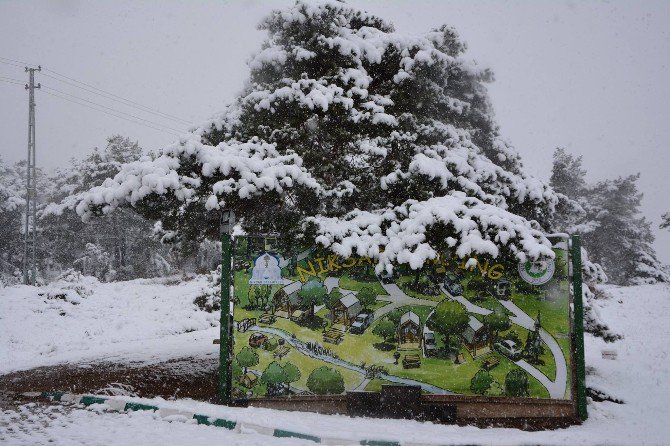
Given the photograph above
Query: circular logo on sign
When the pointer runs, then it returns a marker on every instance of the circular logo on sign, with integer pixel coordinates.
(537, 273)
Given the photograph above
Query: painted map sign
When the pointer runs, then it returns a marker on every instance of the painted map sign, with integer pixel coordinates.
(312, 324)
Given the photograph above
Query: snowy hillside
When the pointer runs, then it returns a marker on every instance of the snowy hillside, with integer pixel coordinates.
(148, 321)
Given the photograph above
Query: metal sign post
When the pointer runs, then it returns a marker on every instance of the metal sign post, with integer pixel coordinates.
(226, 348)
(579, 326)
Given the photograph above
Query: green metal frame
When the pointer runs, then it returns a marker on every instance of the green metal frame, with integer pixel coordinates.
(225, 347)
(578, 341)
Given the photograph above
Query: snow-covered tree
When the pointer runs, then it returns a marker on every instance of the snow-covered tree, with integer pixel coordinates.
(125, 236)
(607, 214)
(623, 241)
(12, 204)
(351, 134)
(666, 220)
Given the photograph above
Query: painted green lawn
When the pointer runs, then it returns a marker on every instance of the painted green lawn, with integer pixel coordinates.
(305, 363)
(440, 372)
(348, 283)
(456, 377)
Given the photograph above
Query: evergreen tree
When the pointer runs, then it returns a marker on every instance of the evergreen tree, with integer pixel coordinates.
(128, 238)
(346, 131)
(606, 213)
(666, 220)
(12, 205)
(622, 241)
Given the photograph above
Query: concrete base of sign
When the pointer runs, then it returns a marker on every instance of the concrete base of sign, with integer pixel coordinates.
(403, 402)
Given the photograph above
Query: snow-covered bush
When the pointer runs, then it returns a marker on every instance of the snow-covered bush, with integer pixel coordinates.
(209, 298)
(71, 286)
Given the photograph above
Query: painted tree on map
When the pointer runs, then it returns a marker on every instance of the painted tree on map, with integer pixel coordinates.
(516, 383)
(449, 318)
(481, 382)
(274, 378)
(247, 357)
(496, 322)
(325, 381)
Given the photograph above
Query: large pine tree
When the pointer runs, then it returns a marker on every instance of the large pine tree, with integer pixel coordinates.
(353, 135)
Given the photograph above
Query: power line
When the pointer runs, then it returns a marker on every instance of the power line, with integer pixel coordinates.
(18, 61)
(112, 96)
(13, 64)
(95, 90)
(111, 109)
(12, 81)
(112, 114)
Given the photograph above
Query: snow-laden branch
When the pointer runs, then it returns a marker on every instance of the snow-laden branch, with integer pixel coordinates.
(399, 235)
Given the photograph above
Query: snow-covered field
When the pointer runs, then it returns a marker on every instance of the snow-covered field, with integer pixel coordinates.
(139, 320)
(154, 320)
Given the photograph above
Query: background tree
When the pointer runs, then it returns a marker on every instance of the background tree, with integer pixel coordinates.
(622, 241)
(367, 297)
(311, 294)
(247, 357)
(274, 378)
(132, 242)
(496, 322)
(666, 220)
(325, 381)
(385, 329)
(449, 318)
(481, 382)
(516, 383)
(291, 374)
(12, 203)
(607, 215)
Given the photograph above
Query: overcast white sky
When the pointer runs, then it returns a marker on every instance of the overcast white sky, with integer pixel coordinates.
(593, 77)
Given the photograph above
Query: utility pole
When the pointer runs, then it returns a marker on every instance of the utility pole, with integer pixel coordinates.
(30, 240)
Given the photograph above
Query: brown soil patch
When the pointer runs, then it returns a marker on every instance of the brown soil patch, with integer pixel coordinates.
(178, 378)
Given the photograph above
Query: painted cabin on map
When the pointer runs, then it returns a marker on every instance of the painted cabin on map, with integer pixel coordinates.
(409, 331)
(474, 337)
(286, 301)
(346, 309)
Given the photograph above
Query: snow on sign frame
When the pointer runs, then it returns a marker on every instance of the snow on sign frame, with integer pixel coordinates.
(311, 326)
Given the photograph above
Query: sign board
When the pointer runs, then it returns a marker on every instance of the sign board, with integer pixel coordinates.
(312, 324)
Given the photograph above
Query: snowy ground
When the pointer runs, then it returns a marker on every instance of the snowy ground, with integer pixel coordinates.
(153, 321)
